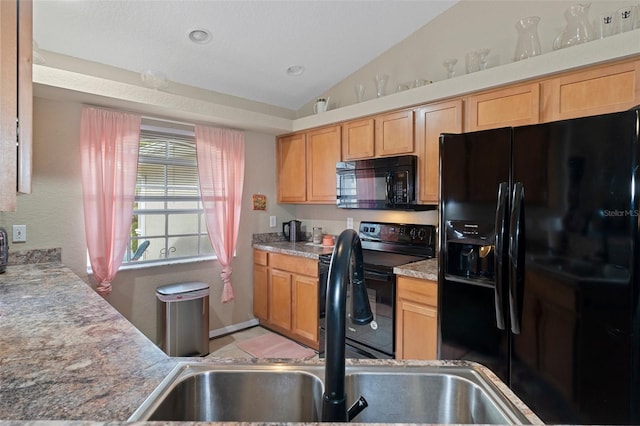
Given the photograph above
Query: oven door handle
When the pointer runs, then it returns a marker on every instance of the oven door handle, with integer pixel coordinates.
(379, 276)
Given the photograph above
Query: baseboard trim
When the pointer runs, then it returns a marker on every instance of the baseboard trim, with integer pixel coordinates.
(233, 328)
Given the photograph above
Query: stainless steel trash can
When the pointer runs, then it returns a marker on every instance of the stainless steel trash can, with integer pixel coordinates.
(183, 323)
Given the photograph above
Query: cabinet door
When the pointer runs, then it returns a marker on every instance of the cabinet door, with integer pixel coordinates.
(8, 104)
(418, 331)
(512, 106)
(417, 319)
(25, 95)
(357, 139)
(280, 298)
(394, 133)
(323, 152)
(291, 164)
(602, 90)
(431, 120)
(261, 292)
(305, 307)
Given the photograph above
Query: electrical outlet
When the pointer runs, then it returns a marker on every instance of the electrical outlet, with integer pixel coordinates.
(19, 233)
(349, 223)
(272, 221)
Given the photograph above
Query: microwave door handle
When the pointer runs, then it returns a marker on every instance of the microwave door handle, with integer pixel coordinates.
(389, 193)
(501, 232)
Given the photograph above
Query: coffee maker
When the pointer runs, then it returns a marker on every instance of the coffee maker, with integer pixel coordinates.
(292, 231)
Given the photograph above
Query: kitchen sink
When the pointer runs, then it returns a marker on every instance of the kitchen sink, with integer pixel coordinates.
(293, 393)
(222, 394)
(451, 397)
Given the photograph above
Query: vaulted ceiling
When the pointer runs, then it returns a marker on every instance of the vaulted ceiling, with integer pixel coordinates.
(251, 45)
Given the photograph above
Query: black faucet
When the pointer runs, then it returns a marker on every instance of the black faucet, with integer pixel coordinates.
(334, 400)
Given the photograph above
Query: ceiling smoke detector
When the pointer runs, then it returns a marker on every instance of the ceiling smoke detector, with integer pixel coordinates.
(200, 36)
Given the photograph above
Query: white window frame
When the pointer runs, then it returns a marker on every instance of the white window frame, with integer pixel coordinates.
(184, 134)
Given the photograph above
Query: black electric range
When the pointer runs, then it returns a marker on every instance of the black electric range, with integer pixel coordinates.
(385, 246)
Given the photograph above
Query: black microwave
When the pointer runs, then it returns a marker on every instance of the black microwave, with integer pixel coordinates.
(378, 183)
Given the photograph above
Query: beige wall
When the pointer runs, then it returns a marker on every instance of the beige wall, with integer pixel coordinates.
(467, 26)
(53, 215)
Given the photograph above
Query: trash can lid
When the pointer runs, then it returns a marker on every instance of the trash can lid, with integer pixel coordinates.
(181, 288)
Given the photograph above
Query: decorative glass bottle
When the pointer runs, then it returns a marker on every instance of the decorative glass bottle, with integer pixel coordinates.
(578, 29)
(528, 41)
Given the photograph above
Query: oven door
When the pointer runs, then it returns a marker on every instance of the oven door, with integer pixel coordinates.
(379, 335)
(375, 340)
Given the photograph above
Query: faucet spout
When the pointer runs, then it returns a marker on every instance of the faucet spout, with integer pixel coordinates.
(347, 247)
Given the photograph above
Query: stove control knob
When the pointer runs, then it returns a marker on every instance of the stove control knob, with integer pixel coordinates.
(422, 234)
(413, 233)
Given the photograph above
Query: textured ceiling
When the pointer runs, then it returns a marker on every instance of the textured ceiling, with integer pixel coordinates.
(253, 42)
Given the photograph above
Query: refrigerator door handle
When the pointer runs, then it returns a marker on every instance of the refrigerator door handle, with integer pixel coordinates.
(498, 259)
(516, 268)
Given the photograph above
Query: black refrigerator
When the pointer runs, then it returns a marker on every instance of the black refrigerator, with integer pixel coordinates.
(538, 263)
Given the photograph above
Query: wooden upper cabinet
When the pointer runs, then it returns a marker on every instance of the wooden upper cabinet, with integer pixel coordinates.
(324, 150)
(512, 106)
(357, 139)
(25, 95)
(8, 104)
(431, 120)
(16, 100)
(291, 168)
(596, 91)
(394, 133)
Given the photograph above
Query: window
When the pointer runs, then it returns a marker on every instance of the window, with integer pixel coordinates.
(168, 217)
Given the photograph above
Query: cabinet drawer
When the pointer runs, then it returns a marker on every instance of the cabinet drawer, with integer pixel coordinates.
(260, 257)
(418, 291)
(295, 264)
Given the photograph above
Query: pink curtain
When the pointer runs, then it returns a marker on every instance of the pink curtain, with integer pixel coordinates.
(221, 174)
(109, 162)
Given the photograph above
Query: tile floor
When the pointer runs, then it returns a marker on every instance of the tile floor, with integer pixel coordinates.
(225, 346)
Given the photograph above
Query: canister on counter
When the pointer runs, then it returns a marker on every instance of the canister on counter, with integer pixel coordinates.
(317, 235)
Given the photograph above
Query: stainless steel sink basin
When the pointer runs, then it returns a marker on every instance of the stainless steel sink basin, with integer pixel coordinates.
(293, 393)
(451, 397)
(203, 392)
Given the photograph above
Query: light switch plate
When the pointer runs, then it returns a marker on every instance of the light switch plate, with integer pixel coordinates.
(19, 233)
(272, 221)
(349, 223)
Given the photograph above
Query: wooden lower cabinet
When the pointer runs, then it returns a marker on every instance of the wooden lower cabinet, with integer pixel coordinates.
(416, 319)
(280, 298)
(285, 292)
(305, 307)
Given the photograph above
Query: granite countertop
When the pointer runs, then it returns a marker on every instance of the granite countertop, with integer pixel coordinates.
(66, 353)
(424, 269)
(68, 357)
(302, 248)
